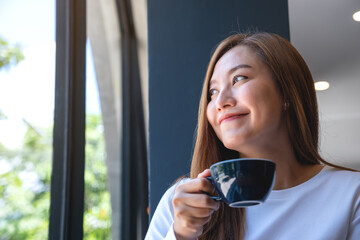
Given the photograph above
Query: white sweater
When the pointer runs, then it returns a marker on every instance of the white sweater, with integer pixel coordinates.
(326, 207)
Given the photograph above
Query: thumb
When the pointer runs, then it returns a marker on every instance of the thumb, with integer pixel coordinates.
(204, 174)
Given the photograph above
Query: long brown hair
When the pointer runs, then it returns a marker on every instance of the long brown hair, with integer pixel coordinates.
(297, 89)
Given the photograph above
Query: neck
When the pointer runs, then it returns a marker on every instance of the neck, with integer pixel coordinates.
(289, 172)
(288, 176)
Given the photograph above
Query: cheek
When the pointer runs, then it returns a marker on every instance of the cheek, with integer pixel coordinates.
(269, 109)
(211, 114)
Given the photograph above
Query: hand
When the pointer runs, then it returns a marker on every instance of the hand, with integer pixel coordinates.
(192, 207)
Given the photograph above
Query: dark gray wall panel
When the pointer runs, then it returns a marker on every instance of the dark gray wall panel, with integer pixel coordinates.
(182, 35)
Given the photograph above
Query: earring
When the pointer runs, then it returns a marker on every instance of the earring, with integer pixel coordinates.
(286, 106)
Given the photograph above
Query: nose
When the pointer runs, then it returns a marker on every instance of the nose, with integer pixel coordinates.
(225, 99)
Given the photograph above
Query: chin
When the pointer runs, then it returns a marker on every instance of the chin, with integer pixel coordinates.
(232, 144)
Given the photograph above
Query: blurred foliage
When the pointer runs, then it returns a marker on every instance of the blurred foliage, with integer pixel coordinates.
(97, 214)
(9, 54)
(25, 187)
(25, 176)
(2, 115)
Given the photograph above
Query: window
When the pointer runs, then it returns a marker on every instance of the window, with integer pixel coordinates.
(27, 65)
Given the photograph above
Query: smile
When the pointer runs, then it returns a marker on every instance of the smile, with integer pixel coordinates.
(230, 117)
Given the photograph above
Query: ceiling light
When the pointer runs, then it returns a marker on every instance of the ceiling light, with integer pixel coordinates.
(321, 85)
(356, 16)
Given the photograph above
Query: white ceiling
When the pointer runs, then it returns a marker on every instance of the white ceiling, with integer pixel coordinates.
(329, 40)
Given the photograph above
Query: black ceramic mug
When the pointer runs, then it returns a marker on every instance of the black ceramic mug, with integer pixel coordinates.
(243, 182)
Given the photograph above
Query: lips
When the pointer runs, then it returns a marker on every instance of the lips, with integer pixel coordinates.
(230, 116)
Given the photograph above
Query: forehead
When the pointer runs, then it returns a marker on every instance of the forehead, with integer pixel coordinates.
(236, 56)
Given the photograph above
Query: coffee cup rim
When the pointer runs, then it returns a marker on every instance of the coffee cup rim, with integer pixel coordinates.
(242, 159)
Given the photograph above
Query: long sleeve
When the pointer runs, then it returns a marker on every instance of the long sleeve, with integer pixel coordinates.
(354, 228)
(161, 225)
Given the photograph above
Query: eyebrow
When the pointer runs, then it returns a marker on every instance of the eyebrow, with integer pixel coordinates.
(233, 70)
(239, 66)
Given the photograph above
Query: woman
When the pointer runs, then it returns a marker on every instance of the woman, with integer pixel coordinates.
(258, 100)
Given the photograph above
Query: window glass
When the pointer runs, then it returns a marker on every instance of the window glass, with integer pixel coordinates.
(104, 83)
(97, 212)
(27, 77)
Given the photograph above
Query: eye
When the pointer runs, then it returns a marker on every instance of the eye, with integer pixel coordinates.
(239, 78)
(212, 92)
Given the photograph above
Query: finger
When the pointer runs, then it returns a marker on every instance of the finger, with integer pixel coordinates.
(202, 200)
(197, 185)
(195, 200)
(191, 211)
(189, 228)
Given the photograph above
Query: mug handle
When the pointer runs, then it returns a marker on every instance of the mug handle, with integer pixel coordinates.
(217, 198)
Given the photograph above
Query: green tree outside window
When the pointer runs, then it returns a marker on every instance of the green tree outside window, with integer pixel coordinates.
(25, 181)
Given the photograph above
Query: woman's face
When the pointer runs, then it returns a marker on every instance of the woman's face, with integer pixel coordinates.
(246, 109)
